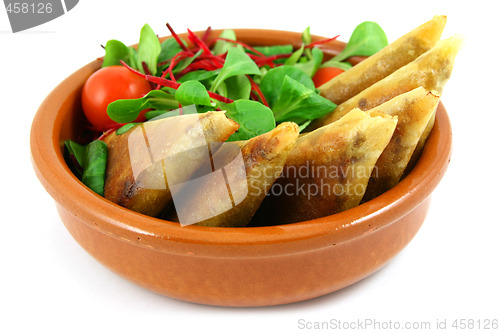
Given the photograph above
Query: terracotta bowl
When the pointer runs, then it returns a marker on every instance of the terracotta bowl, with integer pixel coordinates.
(233, 266)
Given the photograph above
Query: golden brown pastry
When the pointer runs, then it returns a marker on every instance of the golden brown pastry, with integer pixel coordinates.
(420, 146)
(328, 169)
(393, 56)
(414, 110)
(144, 160)
(431, 70)
(242, 174)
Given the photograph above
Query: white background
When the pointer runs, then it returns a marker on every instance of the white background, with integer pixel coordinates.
(450, 270)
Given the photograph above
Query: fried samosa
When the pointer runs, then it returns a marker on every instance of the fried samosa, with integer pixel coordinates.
(144, 160)
(328, 169)
(242, 174)
(414, 110)
(397, 54)
(420, 146)
(431, 70)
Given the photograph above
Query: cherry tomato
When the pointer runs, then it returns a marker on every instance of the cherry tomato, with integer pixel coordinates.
(107, 85)
(325, 74)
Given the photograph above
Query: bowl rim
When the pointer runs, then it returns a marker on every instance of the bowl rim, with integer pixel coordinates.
(112, 219)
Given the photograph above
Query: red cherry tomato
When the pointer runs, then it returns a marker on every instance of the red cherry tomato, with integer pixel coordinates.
(107, 85)
(325, 74)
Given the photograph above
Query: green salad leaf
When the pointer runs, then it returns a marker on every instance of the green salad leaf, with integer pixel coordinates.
(236, 87)
(161, 100)
(298, 55)
(192, 92)
(148, 50)
(125, 128)
(367, 39)
(311, 66)
(156, 115)
(344, 65)
(169, 48)
(115, 51)
(306, 40)
(237, 63)
(254, 118)
(274, 49)
(306, 36)
(132, 57)
(199, 75)
(304, 125)
(295, 57)
(271, 83)
(298, 103)
(222, 46)
(183, 64)
(77, 150)
(127, 110)
(76, 154)
(94, 166)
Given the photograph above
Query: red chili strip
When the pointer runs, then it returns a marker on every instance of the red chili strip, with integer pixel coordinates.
(254, 96)
(175, 60)
(176, 85)
(187, 53)
(179, 41)
(261, 61)
(198, 42)
(256, 88)
(321, 41)
(203, 64)
(248, 47)
(132, 69)
(206, 35)
(220, 98)
(212, 57)
(161, 81)
(145, 68)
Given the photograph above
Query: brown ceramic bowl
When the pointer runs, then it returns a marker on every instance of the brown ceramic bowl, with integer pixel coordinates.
(233, 266)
